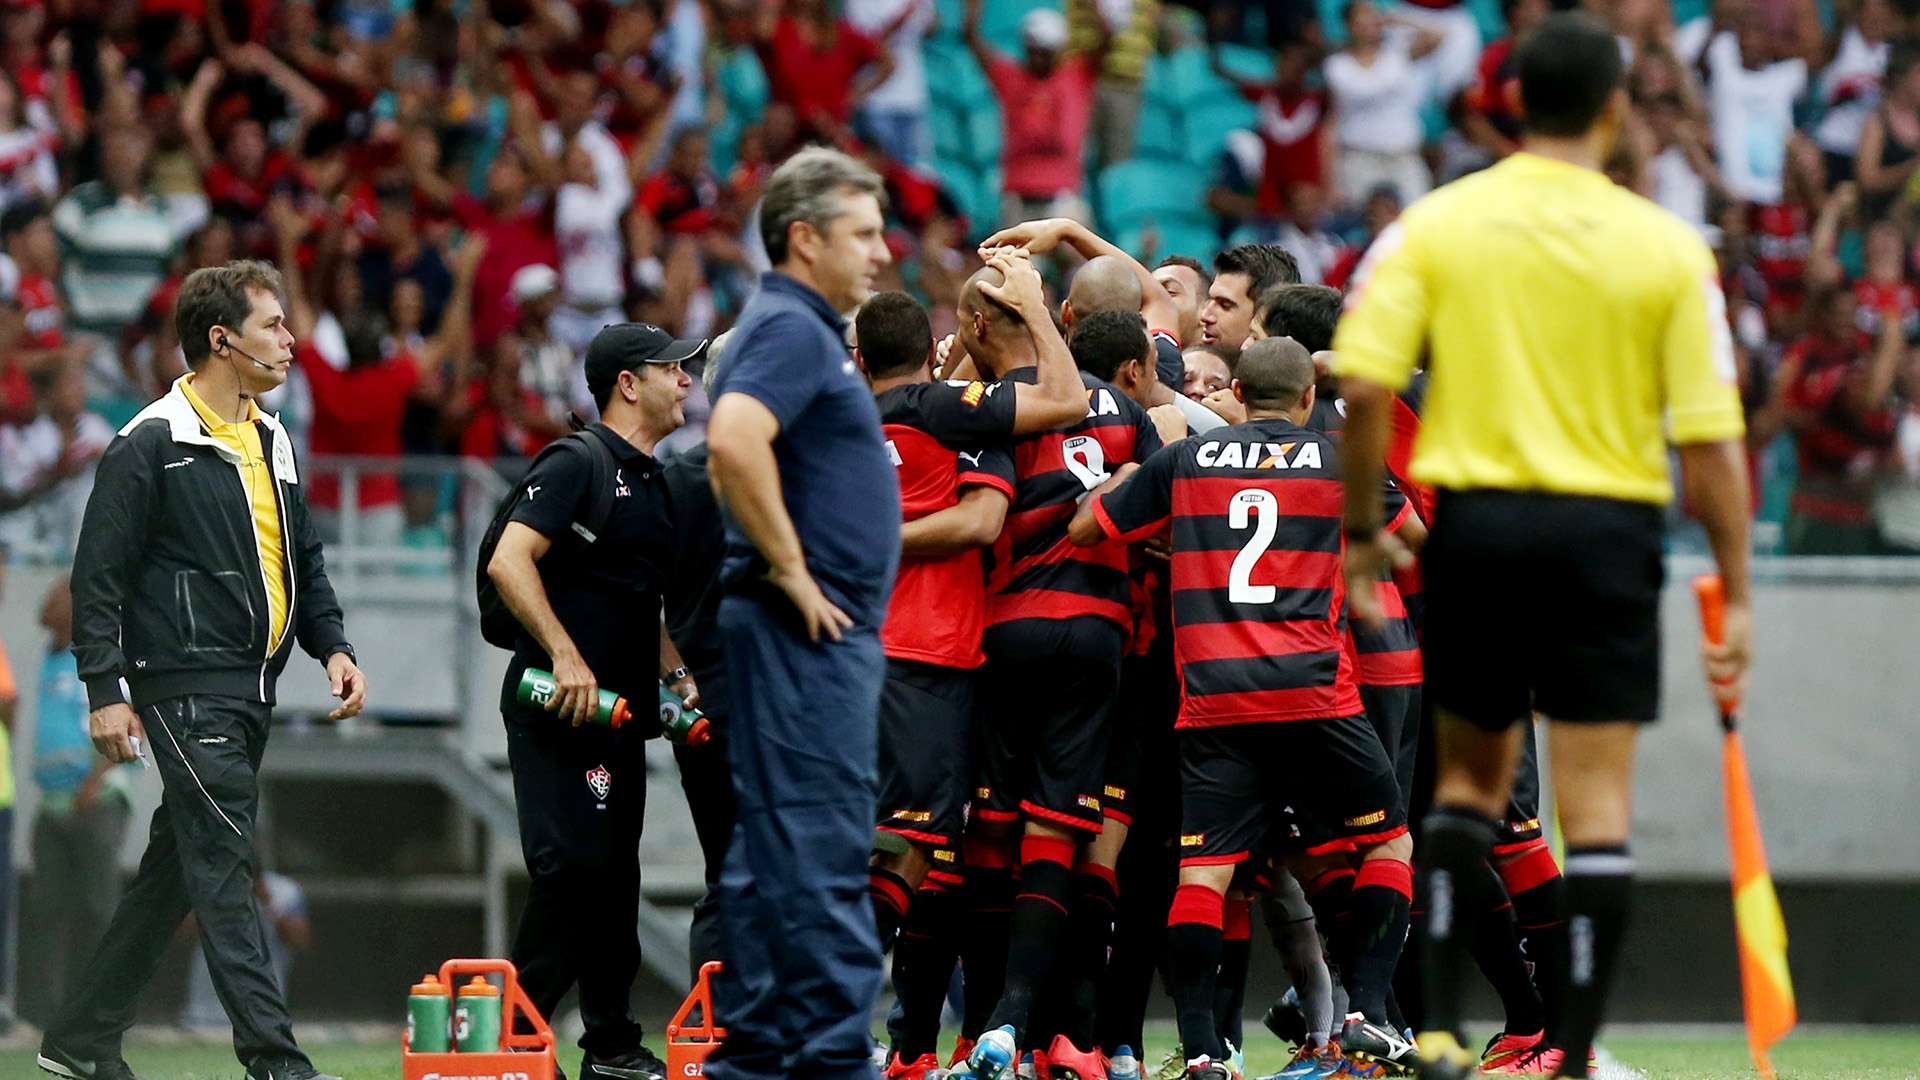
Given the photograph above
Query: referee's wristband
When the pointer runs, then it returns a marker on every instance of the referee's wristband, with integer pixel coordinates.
(1363, 533)
(674, 676)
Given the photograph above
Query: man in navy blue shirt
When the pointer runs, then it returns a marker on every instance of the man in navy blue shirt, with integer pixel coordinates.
(813, 538)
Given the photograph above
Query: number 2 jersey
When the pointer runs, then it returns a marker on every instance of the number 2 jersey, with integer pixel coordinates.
(1038, 574)
(939, 605)
(1259, 597)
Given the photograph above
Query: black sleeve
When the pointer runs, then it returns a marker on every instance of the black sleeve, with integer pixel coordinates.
(113, 537)
(1144, 500)
(1168, 363)
(319, 624)
(992, 466)
(964, 415)
(552, 492)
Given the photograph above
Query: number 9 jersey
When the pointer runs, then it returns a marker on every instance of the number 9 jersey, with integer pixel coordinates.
(1259, 598)
(1037, 572)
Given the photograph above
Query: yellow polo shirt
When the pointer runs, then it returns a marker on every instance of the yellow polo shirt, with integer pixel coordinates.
(1571, 330)
(257, 474)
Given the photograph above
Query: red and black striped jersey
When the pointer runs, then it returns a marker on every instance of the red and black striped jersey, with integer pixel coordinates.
(1037, 572)
(933, 432)
(1389, 656)
(1259, 601)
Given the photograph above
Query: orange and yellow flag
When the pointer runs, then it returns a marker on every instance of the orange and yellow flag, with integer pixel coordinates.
(1760, 932)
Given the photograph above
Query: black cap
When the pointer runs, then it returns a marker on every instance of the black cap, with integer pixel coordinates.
(625, 346)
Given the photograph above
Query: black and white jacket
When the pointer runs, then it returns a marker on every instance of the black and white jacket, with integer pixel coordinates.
(169, 591)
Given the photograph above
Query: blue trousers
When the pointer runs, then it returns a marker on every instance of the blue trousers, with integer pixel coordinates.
(802, 960)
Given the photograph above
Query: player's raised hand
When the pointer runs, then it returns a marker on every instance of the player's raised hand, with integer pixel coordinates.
(1038, 237)
(1022, 291)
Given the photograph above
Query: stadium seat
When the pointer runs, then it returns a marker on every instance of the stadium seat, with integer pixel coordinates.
(955, 79)
(1247, 62)
(1136, 191)
(1161, 134)
(983, 136)
(1189, 77)
(1207, 124)
(1197, 235)
(949, 133)
(977, 191)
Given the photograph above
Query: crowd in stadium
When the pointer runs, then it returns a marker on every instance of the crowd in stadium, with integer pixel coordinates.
(610, 155)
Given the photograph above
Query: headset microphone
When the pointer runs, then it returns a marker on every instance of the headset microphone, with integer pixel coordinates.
(225, 344)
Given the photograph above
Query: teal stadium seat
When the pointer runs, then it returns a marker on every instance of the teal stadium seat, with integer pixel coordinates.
(1196, 235)
(1208, 123)
(1247, 62)
(977, 191)
(983, 135)
(1137, 191)
(1161, 133)
(1188, 77)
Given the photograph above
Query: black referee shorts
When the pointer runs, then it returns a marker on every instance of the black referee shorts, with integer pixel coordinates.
(1547, 602)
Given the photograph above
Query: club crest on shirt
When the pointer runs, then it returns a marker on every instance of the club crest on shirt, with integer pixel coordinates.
(599, 781)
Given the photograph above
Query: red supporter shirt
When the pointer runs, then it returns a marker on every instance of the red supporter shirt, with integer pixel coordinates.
(40, 306)
(517, 240)
(1259, 596)
(1290, 126)
(1880, 299)
(815, 79)
(682, 207)
(1038, 573)
(1496, 95)
(489, 433)
(1837, 447)
(1046, 125)
(939, 605)
(245, 197)
(358, 411)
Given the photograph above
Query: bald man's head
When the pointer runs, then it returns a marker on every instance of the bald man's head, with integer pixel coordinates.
(982, 326)
(1274, 375)
(1105, 283)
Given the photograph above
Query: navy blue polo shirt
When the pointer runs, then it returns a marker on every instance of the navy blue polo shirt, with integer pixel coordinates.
(789, 353)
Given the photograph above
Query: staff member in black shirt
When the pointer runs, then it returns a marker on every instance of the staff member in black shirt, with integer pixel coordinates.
(591, 615)
(197, 569)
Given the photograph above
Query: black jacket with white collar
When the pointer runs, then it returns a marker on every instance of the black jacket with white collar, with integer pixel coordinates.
(169, 590)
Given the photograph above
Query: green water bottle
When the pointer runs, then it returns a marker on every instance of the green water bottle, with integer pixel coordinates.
(681, 722)
(538, 687)
(476, 1023)
(429, 1016)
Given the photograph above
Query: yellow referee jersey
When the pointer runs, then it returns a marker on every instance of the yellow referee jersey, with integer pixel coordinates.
(1571, 329)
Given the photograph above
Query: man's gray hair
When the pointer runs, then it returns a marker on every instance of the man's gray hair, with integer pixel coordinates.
(710, 375)
(810, 187)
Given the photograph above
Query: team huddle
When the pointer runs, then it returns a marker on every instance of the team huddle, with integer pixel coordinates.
(1124, 699)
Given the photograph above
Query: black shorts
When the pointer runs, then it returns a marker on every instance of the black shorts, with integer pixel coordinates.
(1042, 735)
(1547, 602)
(1312, 785)
(926, 723)
(1143, 717)
(1394, 712)
(1520, 829)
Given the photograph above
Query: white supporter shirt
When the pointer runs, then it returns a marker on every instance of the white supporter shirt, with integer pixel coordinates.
(906, 89)
(53, 518)
(1752, 118)
(586, 223)
(1851, 89)
(1377, 109)
(1678, 188)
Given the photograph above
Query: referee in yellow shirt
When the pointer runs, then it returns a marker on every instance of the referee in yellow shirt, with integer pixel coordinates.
(1571, 330)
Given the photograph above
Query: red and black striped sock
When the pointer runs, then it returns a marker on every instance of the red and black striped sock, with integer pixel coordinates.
(891, 895)
(1194, 929)
(1230, 986)
(1035, 928)
(1539, 896)
(1382, 898)
(988, 894)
